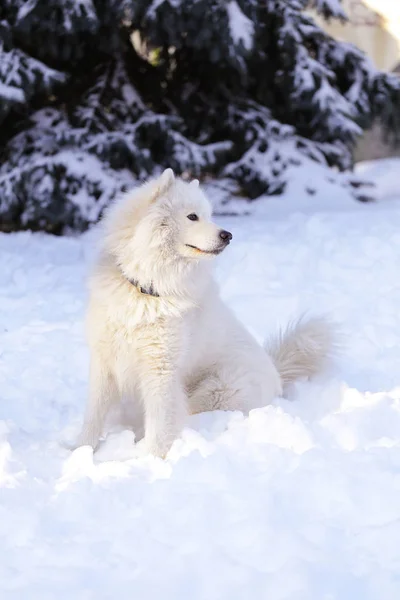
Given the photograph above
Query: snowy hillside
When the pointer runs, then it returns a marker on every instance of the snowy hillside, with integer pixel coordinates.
(298, 501)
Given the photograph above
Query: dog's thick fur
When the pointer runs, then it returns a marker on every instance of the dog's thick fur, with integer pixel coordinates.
(182, 350)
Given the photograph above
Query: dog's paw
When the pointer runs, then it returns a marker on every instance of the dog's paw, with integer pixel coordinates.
(156, 447)
(87, 438)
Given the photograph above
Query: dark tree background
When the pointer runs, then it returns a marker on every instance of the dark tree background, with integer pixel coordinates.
(97, 94)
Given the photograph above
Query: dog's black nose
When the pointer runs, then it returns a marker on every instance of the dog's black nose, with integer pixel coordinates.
(226, 236)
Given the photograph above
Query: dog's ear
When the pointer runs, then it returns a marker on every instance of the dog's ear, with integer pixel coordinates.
(162, 184)
(165, 181)
(195, 183)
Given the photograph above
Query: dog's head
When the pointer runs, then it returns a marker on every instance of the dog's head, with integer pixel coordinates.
(161, 231)
(185, 213)
(167, 215)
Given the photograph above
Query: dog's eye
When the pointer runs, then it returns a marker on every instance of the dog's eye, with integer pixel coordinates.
(193, 217)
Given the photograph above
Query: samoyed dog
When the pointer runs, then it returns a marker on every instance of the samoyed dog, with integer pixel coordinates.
(161, 338)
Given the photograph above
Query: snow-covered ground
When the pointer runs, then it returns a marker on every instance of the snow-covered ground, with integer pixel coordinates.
(298, 501)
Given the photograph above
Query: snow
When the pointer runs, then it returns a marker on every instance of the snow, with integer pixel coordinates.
(25, 9)
(332, 8)
(296, 501)
(240, 26)
(11, 92)
(309, 186)
(385, 174)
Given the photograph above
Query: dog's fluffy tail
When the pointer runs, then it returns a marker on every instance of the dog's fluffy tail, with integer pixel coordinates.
(303, 349)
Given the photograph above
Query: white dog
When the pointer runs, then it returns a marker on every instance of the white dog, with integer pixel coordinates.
(159, 334)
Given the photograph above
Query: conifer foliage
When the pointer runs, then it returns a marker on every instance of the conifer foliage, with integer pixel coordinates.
(98, 94)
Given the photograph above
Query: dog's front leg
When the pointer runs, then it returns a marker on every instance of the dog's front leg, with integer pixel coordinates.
(165, 410)
(161, 388)
(102, 394)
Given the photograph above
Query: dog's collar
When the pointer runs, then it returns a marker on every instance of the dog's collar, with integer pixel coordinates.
(150, 291)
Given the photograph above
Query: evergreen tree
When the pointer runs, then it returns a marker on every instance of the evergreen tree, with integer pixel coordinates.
(97, 94)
